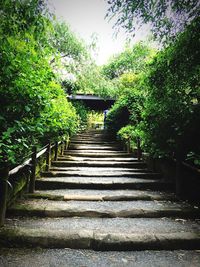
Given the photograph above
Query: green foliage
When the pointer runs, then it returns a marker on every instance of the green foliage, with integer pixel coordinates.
(132, 60)
(126, 109)
(126, 133)
(24, 16)
(91, 80)
(161, 103)
(60, 117)
(33, 105)
(173, 88)
(95, 119)
(193, 159)
(129, 86)
(69, 55)
(66, 42)
(117, 117)
(129, 135)
(166, 18)
(83, 113)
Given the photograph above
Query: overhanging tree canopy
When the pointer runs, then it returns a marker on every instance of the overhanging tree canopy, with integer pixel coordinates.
(166, 18)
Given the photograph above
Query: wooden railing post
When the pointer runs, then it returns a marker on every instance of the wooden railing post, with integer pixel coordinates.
(48, 157)
(139, 151)
(62, 149)
(33, 170)
(65, 146)
(4, 174)
(56, 151)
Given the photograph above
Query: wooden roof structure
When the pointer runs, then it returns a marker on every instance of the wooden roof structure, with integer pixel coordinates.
(93, 102)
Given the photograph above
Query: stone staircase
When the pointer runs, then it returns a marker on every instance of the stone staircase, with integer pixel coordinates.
(98, 197)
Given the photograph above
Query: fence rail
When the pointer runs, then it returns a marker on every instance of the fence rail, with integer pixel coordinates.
(31, 163)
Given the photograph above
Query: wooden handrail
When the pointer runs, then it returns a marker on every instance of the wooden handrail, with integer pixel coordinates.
(28, 161)
(32, 163)
(191, 167)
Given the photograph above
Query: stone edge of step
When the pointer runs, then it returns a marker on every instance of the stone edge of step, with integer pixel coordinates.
(62, 197)
(52, 212)
(85, 239)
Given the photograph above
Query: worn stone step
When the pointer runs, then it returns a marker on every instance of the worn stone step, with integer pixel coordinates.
(97, 153)
(97, 163)
(104, 169)
(93, 133)
(102, 195)
(92, 142)
(99, 172)
(101, 233)
(101, 183)
(92, 137)
(94, 147)
(104, 159)
(106, 209)
(34, 257)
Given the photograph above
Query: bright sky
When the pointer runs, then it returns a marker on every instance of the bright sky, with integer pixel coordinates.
(87, 17)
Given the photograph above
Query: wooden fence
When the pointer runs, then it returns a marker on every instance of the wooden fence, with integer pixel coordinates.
(29, 165)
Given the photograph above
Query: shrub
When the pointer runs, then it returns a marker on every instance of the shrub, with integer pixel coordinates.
(82, 112)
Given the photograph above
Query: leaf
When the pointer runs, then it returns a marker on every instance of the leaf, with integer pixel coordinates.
(27, 108)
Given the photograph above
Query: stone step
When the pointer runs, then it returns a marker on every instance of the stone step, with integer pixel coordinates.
(93, 133)
(99, 172)
(97, 163)
(99, 151)
(102, 195)
(94, 147)
(92, 137)
(16, 257)
(101, 183)
(91, 142)
(101, 233)
(96, 153)
(91, 159)
(105, 209)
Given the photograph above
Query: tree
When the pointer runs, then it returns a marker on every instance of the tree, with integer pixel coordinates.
(66, 43)
(69, 53)
(33, 105)
(133, 59)
(128, 69)
(25, 16)
(173, 95)
(91, 80)
(166, 18)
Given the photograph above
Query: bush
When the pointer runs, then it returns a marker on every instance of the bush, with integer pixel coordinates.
(127, 109)
(82, 112)
(173, 89)
(117, 117)
(33, 105)
(127, 136)
(162, 106)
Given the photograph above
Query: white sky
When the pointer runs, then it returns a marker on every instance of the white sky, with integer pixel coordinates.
(87, 17)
